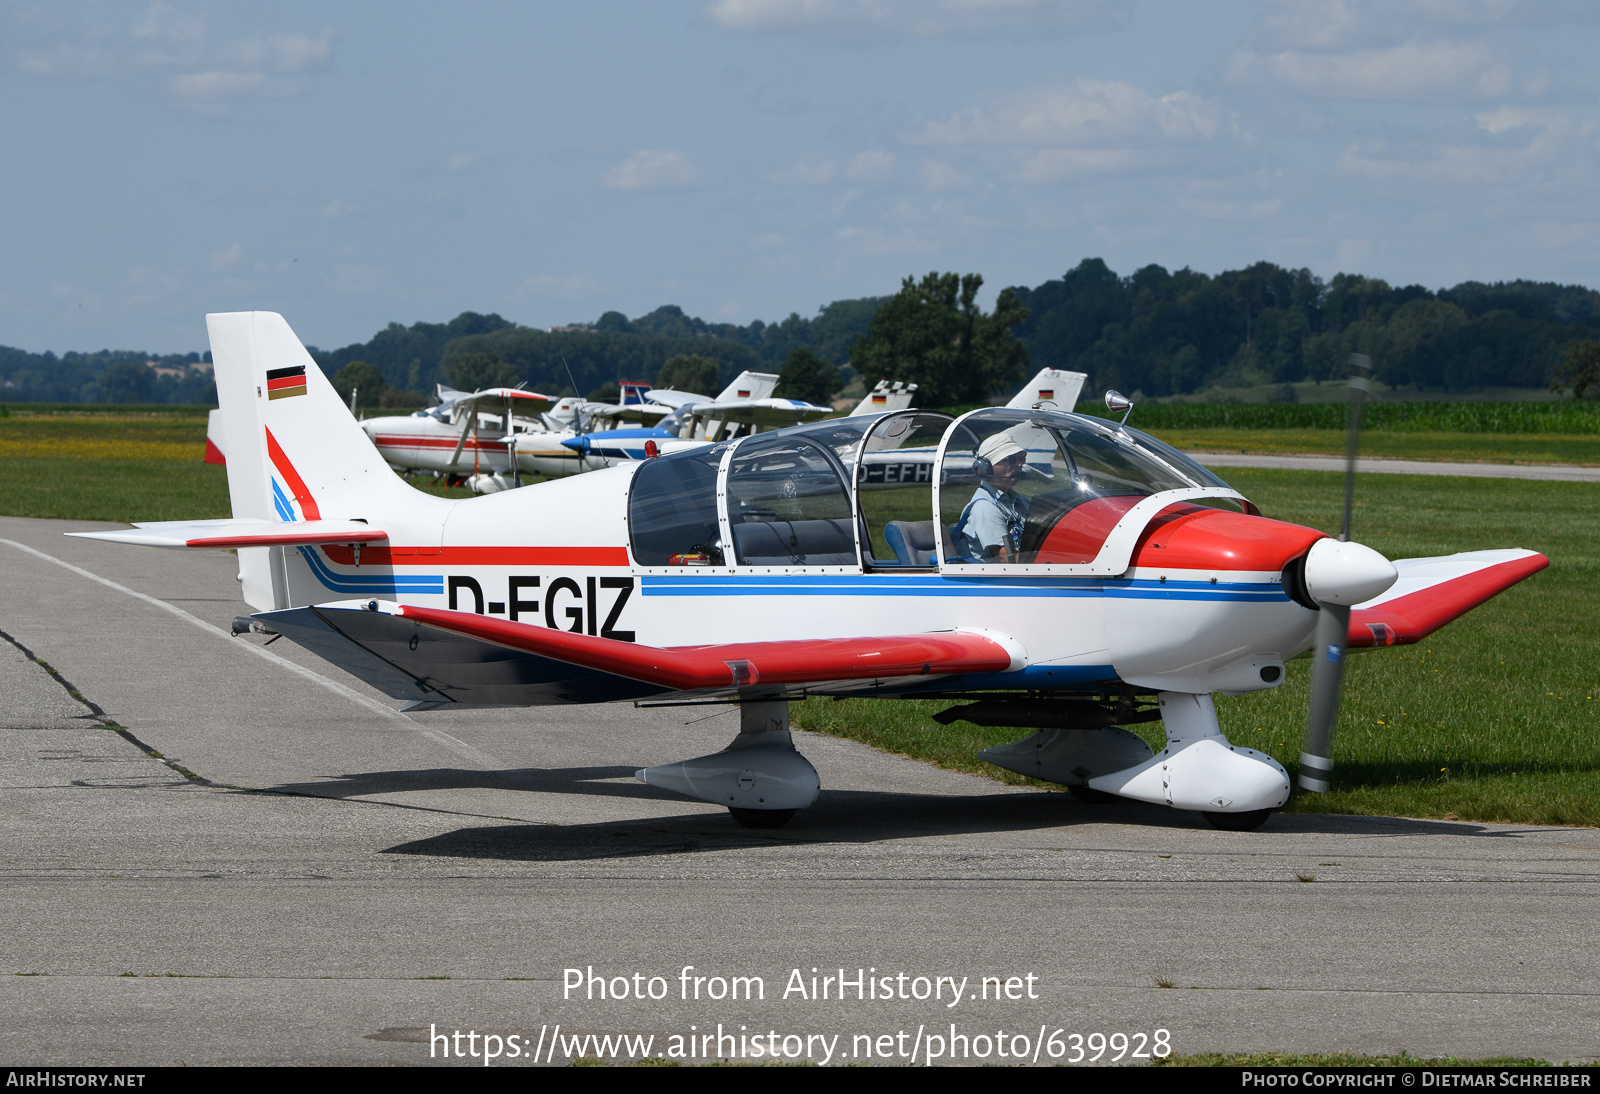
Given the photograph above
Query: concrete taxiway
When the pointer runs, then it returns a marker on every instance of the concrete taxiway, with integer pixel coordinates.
(304, 876)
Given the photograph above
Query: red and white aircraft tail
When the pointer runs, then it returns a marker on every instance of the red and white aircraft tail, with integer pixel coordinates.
(293, 447)
(300, 469)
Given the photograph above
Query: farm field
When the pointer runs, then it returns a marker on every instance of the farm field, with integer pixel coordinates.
(1492, 719)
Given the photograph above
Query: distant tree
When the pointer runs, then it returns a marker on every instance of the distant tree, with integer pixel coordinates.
(932, 333)
(614, 321)
(806, 376)
(397, 398)
(1578, 372)
(364, 379)
(606, 393)
(688, 372)
(126, 382)
(476, 371)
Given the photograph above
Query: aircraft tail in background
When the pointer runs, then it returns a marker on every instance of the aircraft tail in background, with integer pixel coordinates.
(1050, 385)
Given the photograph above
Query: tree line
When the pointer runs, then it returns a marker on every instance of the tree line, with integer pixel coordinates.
(1151, 333)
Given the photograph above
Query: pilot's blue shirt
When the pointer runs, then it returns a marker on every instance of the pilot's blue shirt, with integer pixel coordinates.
(990, 519)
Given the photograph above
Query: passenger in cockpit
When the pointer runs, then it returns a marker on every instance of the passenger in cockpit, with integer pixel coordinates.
(990, 528)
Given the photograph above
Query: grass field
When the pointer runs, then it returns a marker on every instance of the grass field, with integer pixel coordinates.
(1530, 448)
(1492, 719)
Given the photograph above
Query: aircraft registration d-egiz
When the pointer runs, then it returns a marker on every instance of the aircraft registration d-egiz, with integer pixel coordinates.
(763, 570)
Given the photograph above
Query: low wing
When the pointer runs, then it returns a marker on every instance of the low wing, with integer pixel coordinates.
(691, 668)
(431, 658)
(240, 533)
(1431, 592)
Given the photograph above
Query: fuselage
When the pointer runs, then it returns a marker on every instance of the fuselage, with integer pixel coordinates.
(1148, 590)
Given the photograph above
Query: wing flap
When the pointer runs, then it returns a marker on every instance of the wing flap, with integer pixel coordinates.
(240, 533)
(690, 668)
(1431, 592)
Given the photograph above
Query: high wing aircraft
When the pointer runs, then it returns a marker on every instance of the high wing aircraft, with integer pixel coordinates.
(745, 405)
(761, 571)
(464, 436)
(1049, 387)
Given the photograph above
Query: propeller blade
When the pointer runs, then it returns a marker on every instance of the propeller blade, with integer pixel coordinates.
(1333, 621)
(1327, 676)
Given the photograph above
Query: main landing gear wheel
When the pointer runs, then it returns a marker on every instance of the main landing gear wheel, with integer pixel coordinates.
(761, 818)
(1240, 822)
(1090, 796)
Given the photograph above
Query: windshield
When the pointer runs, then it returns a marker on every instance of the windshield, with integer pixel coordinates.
(1025, 486)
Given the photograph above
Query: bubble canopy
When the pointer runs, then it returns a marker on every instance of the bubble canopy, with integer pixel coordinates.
(826, 494)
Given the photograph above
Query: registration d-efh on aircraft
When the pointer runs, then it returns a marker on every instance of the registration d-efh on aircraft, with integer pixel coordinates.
(766, 569)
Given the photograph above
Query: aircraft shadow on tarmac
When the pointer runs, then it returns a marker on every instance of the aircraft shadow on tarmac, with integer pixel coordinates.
(840, 816)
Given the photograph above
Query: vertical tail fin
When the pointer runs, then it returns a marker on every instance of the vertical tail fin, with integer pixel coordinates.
(749, 385)
(1050, 385)
(295, 452)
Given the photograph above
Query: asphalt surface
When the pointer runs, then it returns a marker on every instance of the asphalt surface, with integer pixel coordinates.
(1553, 472)
(304, 876)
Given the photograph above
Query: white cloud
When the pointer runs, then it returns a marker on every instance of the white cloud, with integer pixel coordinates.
(201, 70)
(1414, 70)
(1059, 164)
(357, 278)
(808, 171)
(912, 18)
(881, 241)
(1525, 149)
(937, 176)
(1359, 24)
(871, 167)
(221, 260)
(653, 169)
(1090, 112)
(463, 160)
(562, 287)
(148, 285)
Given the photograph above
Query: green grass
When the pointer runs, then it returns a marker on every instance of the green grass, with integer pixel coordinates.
(1450, 447)
(1493, 718)
(117, 464)
(1565, 416)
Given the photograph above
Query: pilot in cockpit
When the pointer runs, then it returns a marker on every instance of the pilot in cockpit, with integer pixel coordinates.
(990, 528)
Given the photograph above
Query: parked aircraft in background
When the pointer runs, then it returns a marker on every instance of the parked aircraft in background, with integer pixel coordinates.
(1051, 386)
(761, 570)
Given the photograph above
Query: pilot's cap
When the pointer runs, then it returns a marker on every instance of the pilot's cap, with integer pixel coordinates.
(999, 447)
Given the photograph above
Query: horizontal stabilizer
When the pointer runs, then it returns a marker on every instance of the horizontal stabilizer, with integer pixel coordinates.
(1431, 592)
(240, 533)
(691, 668)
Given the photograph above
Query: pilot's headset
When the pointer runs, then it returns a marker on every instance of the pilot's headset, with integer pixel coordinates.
(995, 448)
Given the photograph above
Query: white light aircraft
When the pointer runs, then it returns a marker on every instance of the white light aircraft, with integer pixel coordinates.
(760, 571)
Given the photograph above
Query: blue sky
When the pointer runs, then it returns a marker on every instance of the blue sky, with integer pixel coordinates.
(352, 165)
